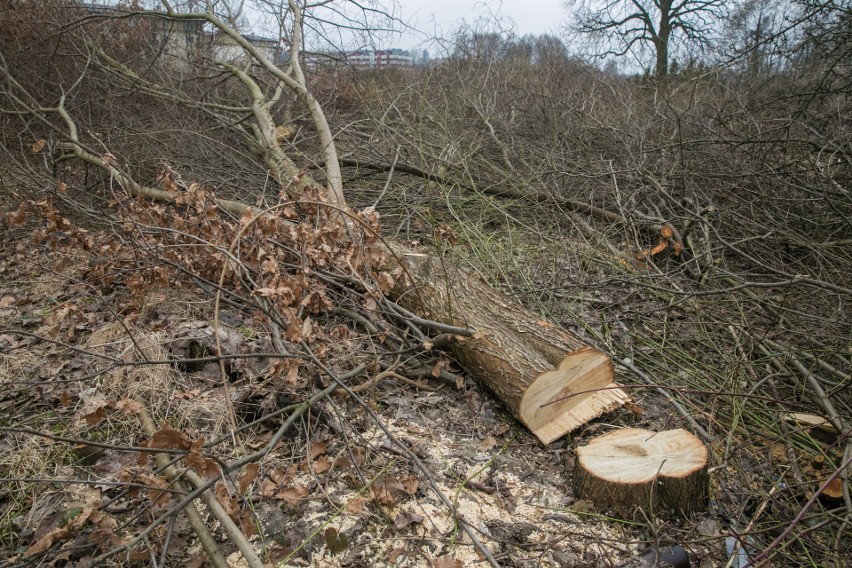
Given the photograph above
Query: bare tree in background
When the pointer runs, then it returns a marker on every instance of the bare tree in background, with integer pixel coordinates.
(622, 26)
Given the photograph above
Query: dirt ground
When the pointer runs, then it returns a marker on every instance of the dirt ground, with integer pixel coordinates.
(336, 491)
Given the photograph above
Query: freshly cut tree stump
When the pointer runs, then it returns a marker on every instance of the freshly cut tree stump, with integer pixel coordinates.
(549, 379)
(631, 468)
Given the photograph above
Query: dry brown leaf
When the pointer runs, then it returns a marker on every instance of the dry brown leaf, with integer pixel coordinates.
(246, 217)
(128, 406)
(248, 524)
(280, 476)
(267, 487)
(60, 533)
(205, 467)
(249, 476)
(387, 490)
(95, 417)
(186, 395)
(269, 266)
(356, 505)
(156, 483)
(406, 518)
(293, 495)
(385, 282)
(318, 449)
(228, 503)
(308, 329)
(169, 438)
(45, 542)
(322, 464)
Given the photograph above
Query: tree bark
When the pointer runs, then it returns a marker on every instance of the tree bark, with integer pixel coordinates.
(655, 471)
(549, 379)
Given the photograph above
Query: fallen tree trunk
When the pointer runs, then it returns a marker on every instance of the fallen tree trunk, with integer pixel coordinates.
(655, 471)
(533, 366)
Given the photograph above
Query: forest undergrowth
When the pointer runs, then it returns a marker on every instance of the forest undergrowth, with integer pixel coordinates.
(219, 372)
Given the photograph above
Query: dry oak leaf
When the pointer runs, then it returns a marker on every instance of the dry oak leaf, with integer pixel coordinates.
(356, 505)
(186, 395)
(228, 503)
(249, 476)
(59, 533)
(387, 490)
(385, 282)
(156, 483)
(406, 518)
(18, 218)
(205, 467)
(267, 488)
(128, 406)
(322, 464)
(410, 483)
(318, 449)
(169, 438)
(248, 524)
(293, 495)
(95, 417)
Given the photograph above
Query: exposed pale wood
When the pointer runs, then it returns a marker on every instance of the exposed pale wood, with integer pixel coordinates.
(812, 421)
(656, 471)
(532, 365)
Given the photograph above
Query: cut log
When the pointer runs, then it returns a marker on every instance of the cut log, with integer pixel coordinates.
(549, 379)
(631, 468)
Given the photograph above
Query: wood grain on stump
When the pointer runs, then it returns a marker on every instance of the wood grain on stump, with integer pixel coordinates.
(655, 471)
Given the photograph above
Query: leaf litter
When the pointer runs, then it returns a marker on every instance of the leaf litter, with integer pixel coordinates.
(334, 490)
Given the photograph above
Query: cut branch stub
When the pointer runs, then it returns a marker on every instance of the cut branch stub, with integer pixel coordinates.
(656, 471)
(532, 365)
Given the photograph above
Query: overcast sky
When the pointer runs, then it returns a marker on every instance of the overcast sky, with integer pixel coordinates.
(530, 16)
(441, 17)
(431, 19)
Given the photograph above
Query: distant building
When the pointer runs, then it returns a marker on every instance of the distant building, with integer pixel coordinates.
(225, 48)
(380, 58)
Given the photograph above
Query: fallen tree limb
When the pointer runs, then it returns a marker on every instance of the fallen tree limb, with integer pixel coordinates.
(530, 364)
(208, 543)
